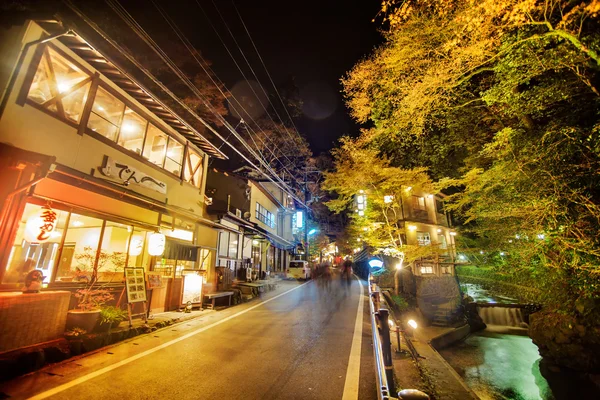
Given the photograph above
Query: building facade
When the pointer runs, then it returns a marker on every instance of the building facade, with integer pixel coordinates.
(79, 136)
(261, 214)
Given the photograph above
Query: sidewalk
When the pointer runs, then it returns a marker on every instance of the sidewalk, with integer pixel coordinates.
(445, 382)
(58, 358)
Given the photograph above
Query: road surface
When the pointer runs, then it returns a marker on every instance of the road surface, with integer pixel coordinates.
(304, 342)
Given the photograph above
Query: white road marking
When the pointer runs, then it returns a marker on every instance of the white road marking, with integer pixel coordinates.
(353, 372)
(126, 361)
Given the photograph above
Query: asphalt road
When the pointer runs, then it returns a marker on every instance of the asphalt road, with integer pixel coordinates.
(296, 345)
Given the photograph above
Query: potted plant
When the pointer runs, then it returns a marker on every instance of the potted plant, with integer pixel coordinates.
(87, 312)
(110, 317)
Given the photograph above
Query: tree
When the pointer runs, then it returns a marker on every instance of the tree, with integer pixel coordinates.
(362, 175)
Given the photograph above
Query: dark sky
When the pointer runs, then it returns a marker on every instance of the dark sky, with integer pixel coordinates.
(316, 42)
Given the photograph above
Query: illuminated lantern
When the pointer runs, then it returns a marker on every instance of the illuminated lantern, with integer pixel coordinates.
(156, 244)
(137, 244)
(39, 227)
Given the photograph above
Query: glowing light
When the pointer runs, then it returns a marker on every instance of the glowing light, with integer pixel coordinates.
(181, 234)
(408, 188)
(502, 253)
(361, 213)
(430, 196)
(388, 199)
(63, 87)
(100, 108)
(480, 251)
(462, 257)
(39, 227)
(156, 244)
(78, 224)
(129, 128)
(412, 323)
(439, 231)
(299, 219)
(360, 199)
(312, 231)
(376, 263)
(517, 236)
(255, 242)
(453, 233)
(137, 245)
(412, 228)
(541, 236)
(361, 191)
(399, 266)
(391, 323)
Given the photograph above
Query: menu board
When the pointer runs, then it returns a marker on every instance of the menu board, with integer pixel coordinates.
(154, 280)
(192, 288)
(136, 285)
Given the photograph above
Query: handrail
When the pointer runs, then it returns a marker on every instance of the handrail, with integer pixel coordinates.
(383, 390)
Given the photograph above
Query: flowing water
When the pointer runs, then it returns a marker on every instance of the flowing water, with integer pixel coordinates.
(503, 316)
(500, 366)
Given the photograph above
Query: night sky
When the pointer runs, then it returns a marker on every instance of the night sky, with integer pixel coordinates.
(315, 42)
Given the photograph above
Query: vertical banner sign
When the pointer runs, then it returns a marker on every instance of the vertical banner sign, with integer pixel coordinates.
(39, 227)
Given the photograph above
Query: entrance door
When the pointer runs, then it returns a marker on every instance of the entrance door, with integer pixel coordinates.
(64, 272)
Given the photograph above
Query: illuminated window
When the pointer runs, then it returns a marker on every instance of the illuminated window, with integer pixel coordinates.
(25, 257)
(106, 115)
(174, 157)
(265, 216)
(443, 243)
(419, 203)
(132, 131)
(155, 148)
(192, 171)
(426, 270)
(423, 238)
(60, 86)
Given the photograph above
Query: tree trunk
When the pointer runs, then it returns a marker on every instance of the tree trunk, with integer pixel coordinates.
(397, 281)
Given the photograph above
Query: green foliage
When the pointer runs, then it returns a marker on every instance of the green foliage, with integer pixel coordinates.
(501, 97)
(110, 315)
(401, 302)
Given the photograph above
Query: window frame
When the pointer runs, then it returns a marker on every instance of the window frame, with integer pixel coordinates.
(416, 201)
(267, 217)
(424, 233)
(98, 80)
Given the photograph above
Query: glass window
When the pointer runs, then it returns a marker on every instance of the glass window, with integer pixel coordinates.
(443, 243)
(174, 157)
(132, 131)
(106, 114)
(233, 245)
(192, 172)
(223, 244)
(26, 256)
(113, 252)
(205, 260)
(419, 203)
(58, 86)
(78, 254)
(423, 238)
(155, 147)
(426, 270)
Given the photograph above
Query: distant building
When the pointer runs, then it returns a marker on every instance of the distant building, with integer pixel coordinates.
(261, 214)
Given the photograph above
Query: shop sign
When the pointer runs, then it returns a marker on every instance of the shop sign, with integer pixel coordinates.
(192, 288)
(129, 175)
(39, 227)
(135, 283)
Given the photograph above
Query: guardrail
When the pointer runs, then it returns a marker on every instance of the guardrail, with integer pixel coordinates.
(382, 349)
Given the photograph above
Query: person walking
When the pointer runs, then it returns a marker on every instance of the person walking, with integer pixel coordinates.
(347, 272)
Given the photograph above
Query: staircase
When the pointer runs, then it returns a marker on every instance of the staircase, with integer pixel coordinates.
(439, 300)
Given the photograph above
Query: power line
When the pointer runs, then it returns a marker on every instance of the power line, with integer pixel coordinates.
(133, 24)
(157, 82)
(195, 54)
(266, 70)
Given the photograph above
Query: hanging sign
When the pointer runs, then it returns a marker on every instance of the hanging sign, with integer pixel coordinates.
(39, 227)
(135, 283)
(129, 175)
(156, 244)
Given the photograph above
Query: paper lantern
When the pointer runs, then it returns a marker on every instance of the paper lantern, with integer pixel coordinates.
(39, 227)
(156, 244)
(137, 244)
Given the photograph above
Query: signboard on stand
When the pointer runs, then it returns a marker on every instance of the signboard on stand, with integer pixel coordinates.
(135, 283)
(192, 288)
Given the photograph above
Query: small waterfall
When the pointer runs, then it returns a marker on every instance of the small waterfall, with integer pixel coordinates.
(503, 316)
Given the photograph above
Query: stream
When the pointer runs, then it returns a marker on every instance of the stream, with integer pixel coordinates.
(502, 362)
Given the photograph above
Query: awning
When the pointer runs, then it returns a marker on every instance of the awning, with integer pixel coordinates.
(277, 241)
(176, 250)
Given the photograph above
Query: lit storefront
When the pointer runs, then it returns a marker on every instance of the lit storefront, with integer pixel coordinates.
(114, 164)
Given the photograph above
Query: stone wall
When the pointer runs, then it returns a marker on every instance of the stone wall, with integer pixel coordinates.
(438, 297)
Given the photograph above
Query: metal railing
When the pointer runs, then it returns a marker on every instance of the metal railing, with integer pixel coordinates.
(383, 386)
(382, 349)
